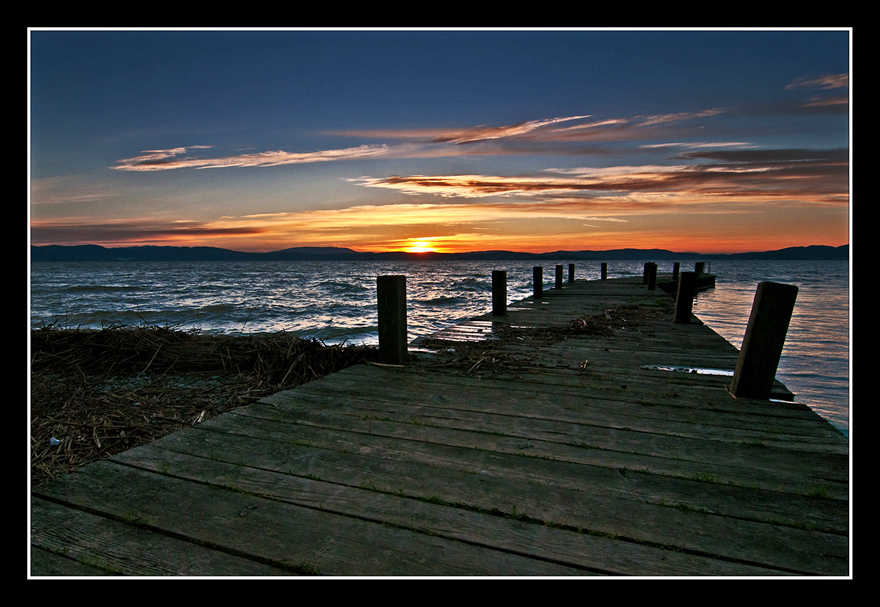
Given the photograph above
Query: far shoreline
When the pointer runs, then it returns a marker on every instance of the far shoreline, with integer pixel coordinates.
(97, 253)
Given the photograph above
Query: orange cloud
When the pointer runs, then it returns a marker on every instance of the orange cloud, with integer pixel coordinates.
(814, 176)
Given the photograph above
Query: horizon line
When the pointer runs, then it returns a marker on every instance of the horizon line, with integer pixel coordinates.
(427, 253)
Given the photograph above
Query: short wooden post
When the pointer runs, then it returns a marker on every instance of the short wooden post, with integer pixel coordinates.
(499, 292)
(604, 270)
(571, 272)
(684, 300)
(700, 267)
(392, 319)
(652, 277)
(645, 273)
(763, 340)
(676, 268)
(538, 276)
(559, 277)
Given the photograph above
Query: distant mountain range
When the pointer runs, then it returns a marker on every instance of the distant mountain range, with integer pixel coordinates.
(153, 253)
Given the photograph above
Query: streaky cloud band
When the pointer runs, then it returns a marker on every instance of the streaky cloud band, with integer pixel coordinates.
(164, 160)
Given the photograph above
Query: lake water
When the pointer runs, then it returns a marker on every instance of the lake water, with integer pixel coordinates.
(336, 302)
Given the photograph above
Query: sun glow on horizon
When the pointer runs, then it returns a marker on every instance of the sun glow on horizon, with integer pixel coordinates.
(421, 245)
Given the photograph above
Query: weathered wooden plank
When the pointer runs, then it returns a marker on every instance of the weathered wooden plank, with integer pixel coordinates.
(625, 408)
(740, 463)
(735, 485)
(591, 554)
(49, 564)
(484, 480)
(301, 540)
(83, 543)
(592, 415)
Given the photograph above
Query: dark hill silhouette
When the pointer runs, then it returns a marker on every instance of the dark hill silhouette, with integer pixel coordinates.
(169, 253)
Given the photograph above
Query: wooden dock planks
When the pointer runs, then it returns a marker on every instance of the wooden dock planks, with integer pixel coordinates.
(575, 457)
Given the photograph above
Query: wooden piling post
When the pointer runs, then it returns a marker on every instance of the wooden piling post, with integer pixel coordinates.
(499, 292)
(700, 267)
(571, 272)
(604, 270)
(652, 277)
(391, 292)
(763, 340)
(538, 277)
(645, 272)
(558, 276)
(676, 268)
(684, 300)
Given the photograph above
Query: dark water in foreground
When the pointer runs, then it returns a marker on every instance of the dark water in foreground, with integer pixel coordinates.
(336, 302)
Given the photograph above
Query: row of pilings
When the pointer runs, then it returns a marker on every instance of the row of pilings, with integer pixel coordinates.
(761, 347)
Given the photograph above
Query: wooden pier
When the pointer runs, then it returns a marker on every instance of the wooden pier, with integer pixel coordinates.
(582, 433)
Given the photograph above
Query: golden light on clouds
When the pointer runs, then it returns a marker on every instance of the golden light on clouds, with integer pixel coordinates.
(574, 208)
(568, 207)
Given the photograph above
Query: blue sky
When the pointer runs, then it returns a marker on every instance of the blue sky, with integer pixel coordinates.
(708, 141)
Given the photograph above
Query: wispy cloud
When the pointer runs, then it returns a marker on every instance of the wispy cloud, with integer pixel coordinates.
(475, 134)
(178, 158)
(139, 231)
(820, 102)
(643, 121)
(61, 190)
(540, 137)
(826, 81)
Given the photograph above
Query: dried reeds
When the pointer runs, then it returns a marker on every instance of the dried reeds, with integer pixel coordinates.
(98, 392)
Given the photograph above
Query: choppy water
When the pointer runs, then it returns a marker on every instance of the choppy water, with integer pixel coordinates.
(336, 302)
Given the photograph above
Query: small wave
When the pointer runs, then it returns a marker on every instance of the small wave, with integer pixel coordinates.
(362, 334)
(219, 308)
(101, 288)
(342, 287)
(473, 284)
(443, 300)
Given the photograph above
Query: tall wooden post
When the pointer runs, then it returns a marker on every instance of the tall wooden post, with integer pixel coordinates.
(559, 277)
(763, 340)
(676, 268)
(499, 292)
(392, 319)
(652, 277)
(684, 300)
(538, 277)
(571, 272)
(645, 272)
(604, 270)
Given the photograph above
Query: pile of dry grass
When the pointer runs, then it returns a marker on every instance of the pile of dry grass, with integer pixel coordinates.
(99, 392)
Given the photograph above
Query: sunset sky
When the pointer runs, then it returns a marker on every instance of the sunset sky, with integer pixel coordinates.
(377, 140)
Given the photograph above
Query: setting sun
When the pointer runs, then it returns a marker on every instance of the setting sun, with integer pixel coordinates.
(420, 245)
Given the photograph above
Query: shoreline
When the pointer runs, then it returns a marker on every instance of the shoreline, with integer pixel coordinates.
(98, 392)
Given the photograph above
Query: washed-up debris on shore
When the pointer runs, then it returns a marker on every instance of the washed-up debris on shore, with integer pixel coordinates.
(95, 393)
